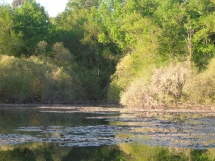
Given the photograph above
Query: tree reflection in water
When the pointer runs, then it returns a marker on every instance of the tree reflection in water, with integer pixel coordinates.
(122, 152)
(29, 142)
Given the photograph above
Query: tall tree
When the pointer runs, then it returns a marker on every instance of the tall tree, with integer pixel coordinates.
(10, 42)
(79, 27)
(80, 4)
(33, 23)
(200, 25)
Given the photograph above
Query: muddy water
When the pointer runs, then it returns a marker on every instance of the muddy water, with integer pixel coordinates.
(56, 134)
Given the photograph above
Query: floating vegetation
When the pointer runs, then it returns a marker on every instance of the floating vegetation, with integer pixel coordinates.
(8, 139)
(78, 136)
(149, 129)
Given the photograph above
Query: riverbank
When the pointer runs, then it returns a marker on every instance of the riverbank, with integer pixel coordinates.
(110, 108)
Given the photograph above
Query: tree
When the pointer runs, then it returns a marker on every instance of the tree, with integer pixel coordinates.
(10, 42)
(158, 30)
(79, 27)
(187, 30)
(33, 23)
(80, 4)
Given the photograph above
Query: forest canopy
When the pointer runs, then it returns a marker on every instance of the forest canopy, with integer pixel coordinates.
(112, 51)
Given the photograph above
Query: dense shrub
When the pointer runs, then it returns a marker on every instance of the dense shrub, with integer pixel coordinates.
(164, 88)
(13, 83)
(131, 67)
(201, 88)
(138, 95)
(36, 80)
(60, 87)
(61, 55)
(167, 83)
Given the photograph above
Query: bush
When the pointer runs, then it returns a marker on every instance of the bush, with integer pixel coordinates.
(167, 83)
(165, 87)
(61, 55)
(59, 87)
(201, 88)
(36, 80)
(138, 95)
(14, 85)
(130, 68)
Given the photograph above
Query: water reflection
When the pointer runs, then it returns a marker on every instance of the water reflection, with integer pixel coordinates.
(121, 152)
(62, 135)
(142, 152)
(52, 152)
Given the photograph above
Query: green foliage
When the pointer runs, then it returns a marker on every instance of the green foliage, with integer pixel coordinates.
(200, 87)
(129, 69)
(36, 80)
(31, 20)
(59, 87)
(168, 30)
(61, 55)
(109, 43)
(41, 48)
(94, 61)
(14, 86)
(10, 42)
(170, 16)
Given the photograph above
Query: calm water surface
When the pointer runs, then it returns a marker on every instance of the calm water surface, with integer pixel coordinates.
(43, 134)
